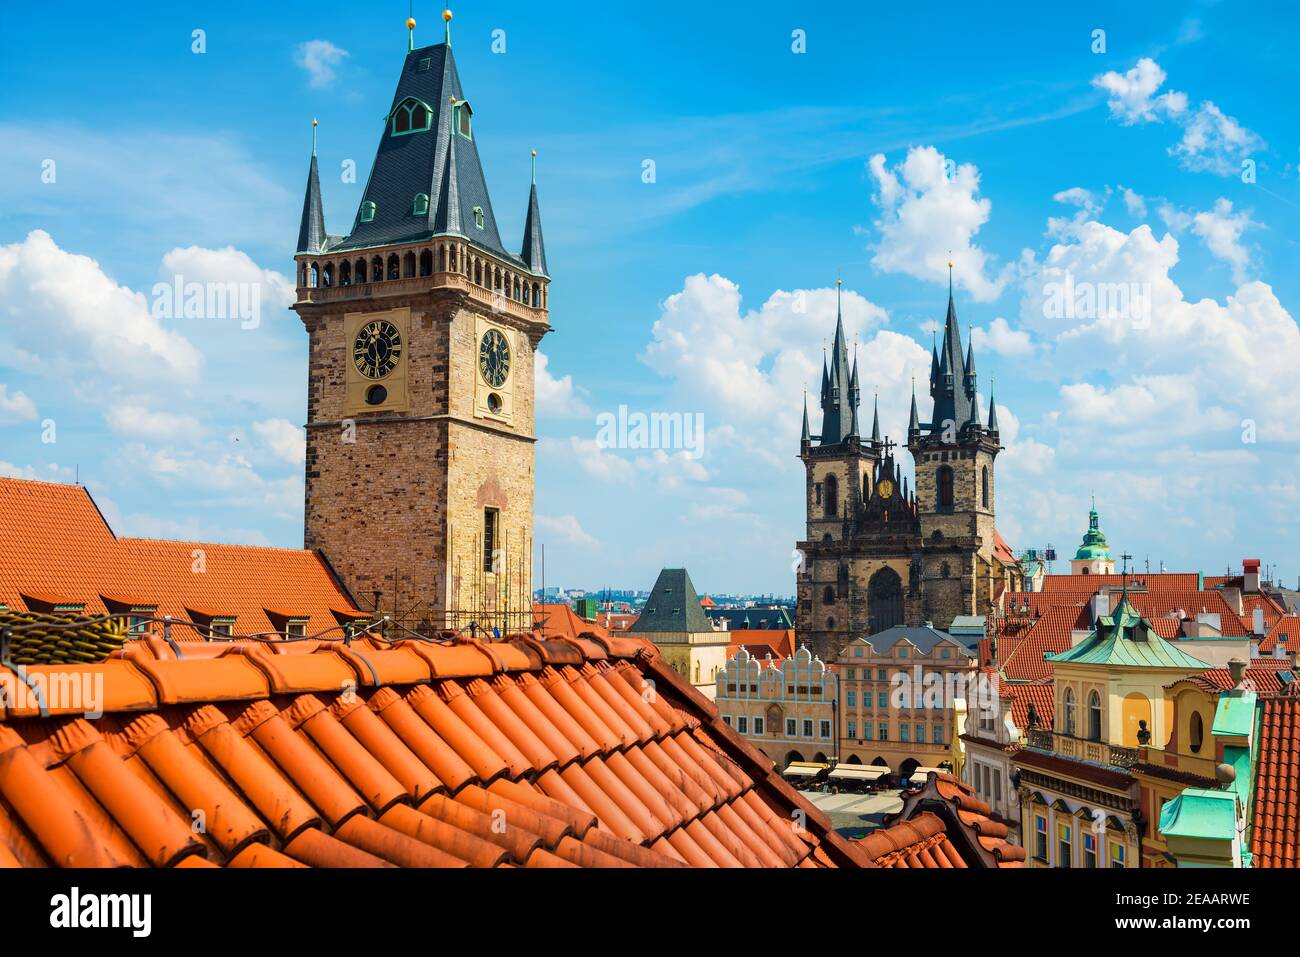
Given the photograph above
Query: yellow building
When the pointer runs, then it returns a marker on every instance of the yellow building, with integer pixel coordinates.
(1079, 797)
(785, 707)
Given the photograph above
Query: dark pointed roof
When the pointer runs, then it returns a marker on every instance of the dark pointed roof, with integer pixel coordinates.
(533, 251)
(839, 403)
(427, 162)
(875, 422)
(914, 421)
(993, 413)
(673, 606)
(951, 389)
(806, 436)
(311, 232)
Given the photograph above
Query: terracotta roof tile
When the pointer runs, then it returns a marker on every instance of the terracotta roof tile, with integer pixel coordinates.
(942, 825)
(1286, 631)
(56, 544)
(1040, 693)
(308, 758)
(1275, 840)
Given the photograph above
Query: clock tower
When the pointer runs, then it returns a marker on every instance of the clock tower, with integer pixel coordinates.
(422, 327)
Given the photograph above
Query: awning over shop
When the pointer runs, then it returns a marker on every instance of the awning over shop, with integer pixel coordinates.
(855, 772)
(919, 774)
(805, 769)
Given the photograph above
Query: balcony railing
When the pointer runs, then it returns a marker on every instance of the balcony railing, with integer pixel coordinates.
(1082, 749)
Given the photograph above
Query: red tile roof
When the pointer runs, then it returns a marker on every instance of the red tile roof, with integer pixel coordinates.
(1286, 625)
(760, 642)
(406, 753)
(1264, 680)
(1040, 693)
(55, 547)
(1275, 837)
(1002, 550)
(561, 621)
(1050, 632)
(942, 825)
(1186, 581)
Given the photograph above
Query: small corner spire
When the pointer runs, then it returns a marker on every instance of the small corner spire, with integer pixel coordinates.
(993, 409)
(914, 422)
(875, 420)
(807, 435)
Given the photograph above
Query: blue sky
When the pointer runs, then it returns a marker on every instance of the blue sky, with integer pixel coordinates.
(1016, 141)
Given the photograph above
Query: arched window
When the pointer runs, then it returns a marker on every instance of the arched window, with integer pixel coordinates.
(478, 217)
(367, 211)
(1086, 570)
(832, 495)
(1094, 717)
(461, 114)
(1067, 720)
(359, 271)
(408, 265)
(315, 275)
(394, 267)
(411, 116)
(830, 624)
(885, 600)
(421, 205)
(984, 494)
(426, 263)
(345, 274)
(377, 269)
(1197, 732)
(944, 487)
(828, 596)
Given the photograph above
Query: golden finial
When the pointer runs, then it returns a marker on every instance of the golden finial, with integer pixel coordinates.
(315, 122)
(410, 23)
(446, 15)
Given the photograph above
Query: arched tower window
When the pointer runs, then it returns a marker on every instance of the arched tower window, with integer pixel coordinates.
(984, 481)
(828, 596)
(421, 205)
(1197, 732)
(832, 495)
(1067, 721)
(944, 487)
(1094, 717)
(410, 116)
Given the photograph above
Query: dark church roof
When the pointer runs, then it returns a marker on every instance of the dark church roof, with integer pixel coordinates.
(839, 391)
(435, 162)
(673, 606)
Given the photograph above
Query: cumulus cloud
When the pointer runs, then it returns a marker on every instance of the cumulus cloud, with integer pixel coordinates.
(1221, 230)
(1131, 94)
(283, 439)
(228, 269)
(135, 420)
(1135, 203)
(564, 528)
(72, 318)
(748, 368)
(557, 397)
(930, 214)
(319, 58)
(999, 337)
(15, 407)
(1212, 141)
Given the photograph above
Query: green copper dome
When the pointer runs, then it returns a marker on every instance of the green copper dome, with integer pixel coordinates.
(1094, 541)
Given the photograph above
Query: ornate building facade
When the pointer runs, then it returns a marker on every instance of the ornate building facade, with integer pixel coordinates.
(422, 328)
(882, 551)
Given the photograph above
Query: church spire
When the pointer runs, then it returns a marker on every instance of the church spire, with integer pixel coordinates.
(534, 252)
(875, 421)
(839, 409)
(311, 230)
(993, 410)
(806, 437)
(914, 421)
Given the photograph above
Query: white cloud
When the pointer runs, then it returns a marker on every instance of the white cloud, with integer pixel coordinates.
(227, 269)
(1134, 203)
(1131, 99)
(592, 459)
(1221, 230)
(999, 337)
(135, 420)
(64, 306)
(748, 369)
(1212, 141)
(319, 58)
(565, 528)
(556, 397)
(1215, 142)
(15, 407)
(930, 215)
(285, 440)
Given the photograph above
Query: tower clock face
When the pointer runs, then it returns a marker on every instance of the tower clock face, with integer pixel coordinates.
(377, 349)
(885, 488)
(494, 358)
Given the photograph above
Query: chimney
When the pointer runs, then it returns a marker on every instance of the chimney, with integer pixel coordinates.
(1099, 605)
(1250, 576)
(1237, 670)
(1257, 621)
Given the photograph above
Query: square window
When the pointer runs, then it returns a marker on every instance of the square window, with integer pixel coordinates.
(791, 728)
(904, 732)
(851, 698)
(851, 730)
(824, 729)
(807, 729)
(884, 731)
(742, 724)
(758, 725)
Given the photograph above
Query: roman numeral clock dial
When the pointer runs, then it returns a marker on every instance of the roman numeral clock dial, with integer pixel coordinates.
(494, 358)
(377, 349)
